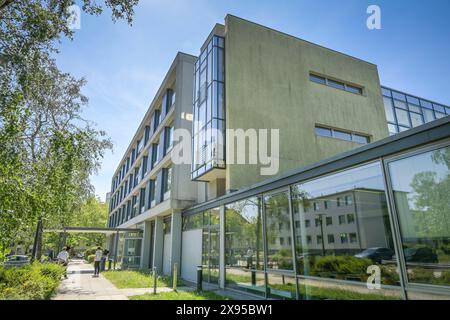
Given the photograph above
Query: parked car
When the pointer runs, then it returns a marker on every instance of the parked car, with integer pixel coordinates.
(16, 261)
(420, 255)
(376, 254)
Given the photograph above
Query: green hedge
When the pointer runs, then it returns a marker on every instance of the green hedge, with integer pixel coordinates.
(32, 282)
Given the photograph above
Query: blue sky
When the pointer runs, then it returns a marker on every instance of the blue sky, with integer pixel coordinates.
(125, 65)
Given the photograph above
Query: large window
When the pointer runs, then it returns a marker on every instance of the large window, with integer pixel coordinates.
(421, 186)
(244, 251)
(277, 214)
(405, 111)
(208, 123)
(210, 245)
(167, 182)
(343, 251)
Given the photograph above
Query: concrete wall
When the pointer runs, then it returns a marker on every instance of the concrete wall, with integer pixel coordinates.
(268, 86)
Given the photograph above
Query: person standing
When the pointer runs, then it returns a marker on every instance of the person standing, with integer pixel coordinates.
(97, 260)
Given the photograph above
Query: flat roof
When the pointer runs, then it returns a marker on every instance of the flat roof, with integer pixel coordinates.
(427, 133)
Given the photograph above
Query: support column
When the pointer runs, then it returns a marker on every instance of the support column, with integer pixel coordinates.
(222, 247)
(175, 234)
(145, 249)
(158, 244)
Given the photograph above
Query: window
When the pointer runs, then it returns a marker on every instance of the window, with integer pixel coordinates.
(344, 238)
(277, 209)
(348, 200)
(341, 219)
(316, 206)
(428, 115)
(325, 132)
(416, 119)
(331, 238)
(308, 239)
(336, 84)
(317, 221)
(420, 184)
(168, 138)
(350, 218)
(281, 241)
(167, 182)
(341, 134)
(307, 223)
(326, 204)
(319, 239)
(317, 79)
(398, 96)
(297, 224)
(152, 193)
(353, 237)
(402, 117)
(329, 221)
(338, 202)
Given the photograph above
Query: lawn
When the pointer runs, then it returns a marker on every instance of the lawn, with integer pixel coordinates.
(181, 295)
(123, 279)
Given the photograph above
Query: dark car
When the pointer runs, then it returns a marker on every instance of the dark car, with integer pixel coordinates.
(376, 254)
(420, 255)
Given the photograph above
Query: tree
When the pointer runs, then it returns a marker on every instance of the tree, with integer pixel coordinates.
(49, 150)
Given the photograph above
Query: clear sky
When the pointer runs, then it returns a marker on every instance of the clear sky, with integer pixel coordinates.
(125, 65)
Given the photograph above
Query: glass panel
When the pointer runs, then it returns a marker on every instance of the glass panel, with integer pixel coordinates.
(359, 237)
(360, 139)
(388, 109)
(323, 132)
(353, 89)
(248, 280)
(439, 115)
(335, 84)
(385, 92)
(278, 231)
(416, 119)
(438, 108)
(402, 117)
(400, 104)
(243, 239)
(392, 129)
(421, 185)
(342, 135)
(398, 96)
(414, 108)
(413, 100)
(317, 79)
(428, 115)
(426, 104)
(281, 286)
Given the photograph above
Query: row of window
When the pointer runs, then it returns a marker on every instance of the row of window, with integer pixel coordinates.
(344, 238)
(341, 134)
(342, 219)
(157, 151)
(155, 191)
(157, 117)
(327, 204)
(335, 84)
(405, 111)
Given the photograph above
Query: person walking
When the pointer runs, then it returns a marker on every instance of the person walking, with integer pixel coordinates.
(63, 258)
(97, 260)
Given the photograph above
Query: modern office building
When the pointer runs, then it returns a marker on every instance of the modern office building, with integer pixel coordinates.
(148, 191)
(346, 196)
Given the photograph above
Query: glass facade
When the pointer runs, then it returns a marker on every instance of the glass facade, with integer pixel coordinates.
(421, 190)
(404, 111)
(209, 118)
(338, 236)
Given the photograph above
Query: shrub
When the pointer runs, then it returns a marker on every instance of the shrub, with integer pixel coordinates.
(32, 282)
(91, 258)
(341, 267)
(89, 252)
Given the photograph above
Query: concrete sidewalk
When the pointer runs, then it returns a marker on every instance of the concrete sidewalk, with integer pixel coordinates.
(81, 285)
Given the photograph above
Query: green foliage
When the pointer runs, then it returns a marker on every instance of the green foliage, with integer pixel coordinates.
(138, 279)
(90, 258)
(341, 267)
(33, 282)
(48, 150)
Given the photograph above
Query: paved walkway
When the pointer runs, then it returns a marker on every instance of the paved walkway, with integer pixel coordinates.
(81, 285)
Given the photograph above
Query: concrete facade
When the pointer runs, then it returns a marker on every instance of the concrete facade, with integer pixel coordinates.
(268, 86)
